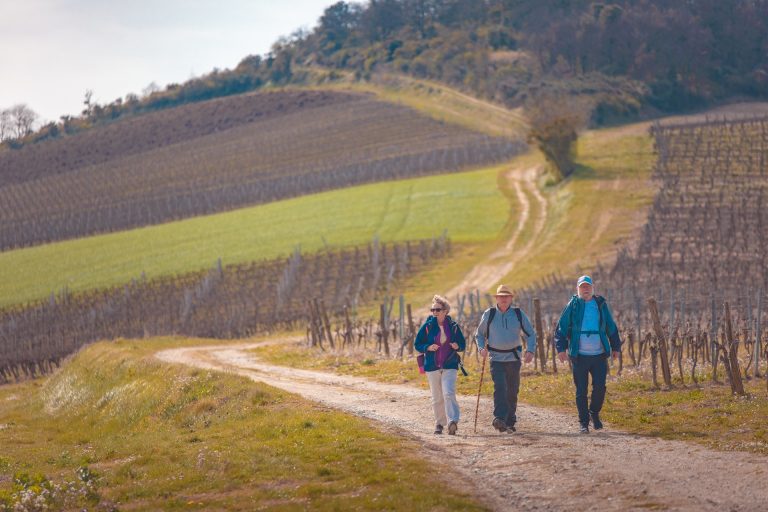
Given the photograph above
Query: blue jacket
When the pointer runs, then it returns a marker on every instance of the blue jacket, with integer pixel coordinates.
(568, 330)
(426, 337)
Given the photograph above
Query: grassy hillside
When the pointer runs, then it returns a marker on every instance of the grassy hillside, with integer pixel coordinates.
(221, 155)
(434, 99)
(397, 210)
(595, 212)
(590, 215)
(584, 220)
(152, 436)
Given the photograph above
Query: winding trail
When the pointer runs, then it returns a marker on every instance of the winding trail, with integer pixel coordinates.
(546, 465)
(532, 217)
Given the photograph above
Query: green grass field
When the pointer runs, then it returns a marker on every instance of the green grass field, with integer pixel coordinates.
(155, 436)
(460, 203)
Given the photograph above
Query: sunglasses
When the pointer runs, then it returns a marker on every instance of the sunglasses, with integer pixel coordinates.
(436, 310)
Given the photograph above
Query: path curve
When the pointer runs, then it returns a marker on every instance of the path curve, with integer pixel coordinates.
(546, 465)
(500, 262)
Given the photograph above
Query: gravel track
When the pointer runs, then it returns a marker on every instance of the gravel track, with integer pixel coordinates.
(546, 465)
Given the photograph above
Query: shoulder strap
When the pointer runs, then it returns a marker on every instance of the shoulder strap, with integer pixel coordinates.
(600, 303)
(520, 319)
(491, 313)
(571, 308)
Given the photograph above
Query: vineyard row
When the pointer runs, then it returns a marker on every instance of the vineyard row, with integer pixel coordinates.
(224, 302)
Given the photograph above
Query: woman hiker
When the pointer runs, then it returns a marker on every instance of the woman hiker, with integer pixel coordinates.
(440, 340)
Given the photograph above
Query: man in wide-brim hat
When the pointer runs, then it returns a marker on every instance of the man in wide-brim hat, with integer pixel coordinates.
(501, 331)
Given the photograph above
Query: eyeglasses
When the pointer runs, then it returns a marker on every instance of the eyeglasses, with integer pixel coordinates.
(436, 310)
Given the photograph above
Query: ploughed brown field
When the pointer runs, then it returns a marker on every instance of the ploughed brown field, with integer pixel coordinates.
(220, 155)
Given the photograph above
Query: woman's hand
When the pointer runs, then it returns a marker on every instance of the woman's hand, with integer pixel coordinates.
(455, 346)
(433, 347)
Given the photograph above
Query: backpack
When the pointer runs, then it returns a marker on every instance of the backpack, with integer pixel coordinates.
(492, 313)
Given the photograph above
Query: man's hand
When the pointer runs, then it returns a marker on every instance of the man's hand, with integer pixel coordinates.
(483, 352)
(433, 347)
(616, 356)
(455, 346)
(528, 357)
(562, 356)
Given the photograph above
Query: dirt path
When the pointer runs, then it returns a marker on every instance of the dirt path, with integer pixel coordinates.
(532, 217)
(546, 465)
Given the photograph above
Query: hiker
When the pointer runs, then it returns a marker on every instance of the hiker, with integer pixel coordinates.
(501, 331)
(440, 340)
(587, 331)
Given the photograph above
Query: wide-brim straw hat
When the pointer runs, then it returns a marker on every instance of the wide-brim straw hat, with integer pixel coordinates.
(503, 290)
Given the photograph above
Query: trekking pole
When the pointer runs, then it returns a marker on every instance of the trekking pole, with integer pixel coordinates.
(482, 373)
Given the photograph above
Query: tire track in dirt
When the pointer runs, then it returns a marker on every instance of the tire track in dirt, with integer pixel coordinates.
(546, 465)
(500, 262)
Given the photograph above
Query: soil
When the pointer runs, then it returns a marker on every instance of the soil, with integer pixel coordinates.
(545, 465)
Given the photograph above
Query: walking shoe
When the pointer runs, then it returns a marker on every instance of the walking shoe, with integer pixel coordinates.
(438, 429)
(452, 427)
(596, 423)
(499, 425)
(511, 428)
(584, 428)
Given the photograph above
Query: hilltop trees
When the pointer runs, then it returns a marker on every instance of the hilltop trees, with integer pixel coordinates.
(629, 54)
(685, 53)
(17, 122)
(555, 122)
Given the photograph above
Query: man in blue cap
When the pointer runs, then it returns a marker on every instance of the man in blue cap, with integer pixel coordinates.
(587, 332)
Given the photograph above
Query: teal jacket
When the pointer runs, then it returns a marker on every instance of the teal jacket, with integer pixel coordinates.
(569, 327)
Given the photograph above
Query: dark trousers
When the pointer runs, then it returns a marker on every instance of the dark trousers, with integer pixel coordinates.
(583, 366)
(506, 385)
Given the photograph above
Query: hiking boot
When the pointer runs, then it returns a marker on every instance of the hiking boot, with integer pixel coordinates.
(452, 427)
(596, 423)
(438, 429)
(583, 428)
(511, 428)
(499, 425)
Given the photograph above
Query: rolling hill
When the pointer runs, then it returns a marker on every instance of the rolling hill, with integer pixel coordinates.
(220, 155)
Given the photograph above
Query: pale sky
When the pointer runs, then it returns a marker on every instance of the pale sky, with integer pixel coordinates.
(52, 51)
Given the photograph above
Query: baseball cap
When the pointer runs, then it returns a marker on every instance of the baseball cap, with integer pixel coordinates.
(584, 279)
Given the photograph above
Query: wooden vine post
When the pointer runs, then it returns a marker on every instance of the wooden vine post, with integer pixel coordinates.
(661, 341)
(326, 323)
(554, 348)
(539, 333)
(411, 328)
(731, 347)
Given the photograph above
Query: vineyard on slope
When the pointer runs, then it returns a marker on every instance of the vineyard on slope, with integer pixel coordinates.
(221, 155)
(225, 302)
(703, 254)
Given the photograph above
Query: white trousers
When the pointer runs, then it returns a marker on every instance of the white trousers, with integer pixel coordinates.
(442, 383)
